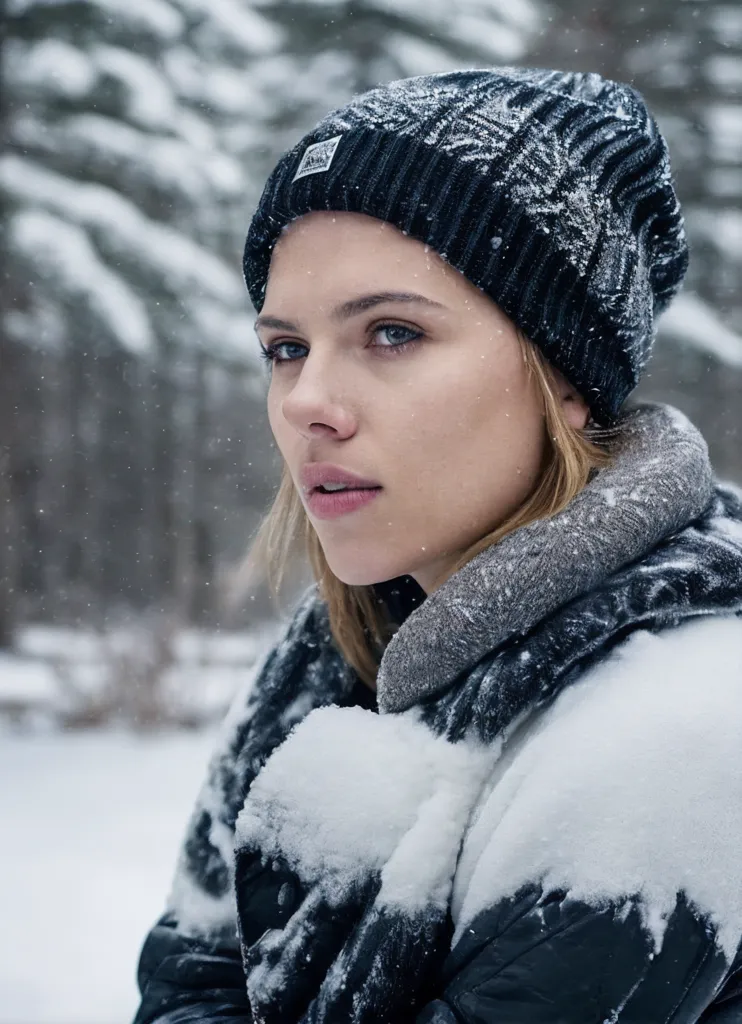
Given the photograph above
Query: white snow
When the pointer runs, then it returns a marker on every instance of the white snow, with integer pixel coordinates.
(729, 234)
(227, 90)
(467, 19)
(122, 233)
(724, 123)
(92, 825)
(609, 496)
(732, 528)
(173, 256)
(723, 229)
(724, 71)
(403, 814)
(692, 321)
(150, 98)
(509, 40)
(49, 641)
(235, 21)
(198, 912)
(726, 20)
(49, 62)
(56, 65)
(238, 649)
(350, 793)
(630, 785)
(424, 55)
(186, 166)
(25, 683)
(63, 253)
(197, 674)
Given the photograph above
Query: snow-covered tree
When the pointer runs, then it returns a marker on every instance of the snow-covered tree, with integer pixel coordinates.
(137, 137)
(120, 186)
(123, 202)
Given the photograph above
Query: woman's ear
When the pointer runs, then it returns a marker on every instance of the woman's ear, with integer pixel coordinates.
(575, 408)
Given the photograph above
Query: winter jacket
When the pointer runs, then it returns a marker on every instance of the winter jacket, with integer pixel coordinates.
(540, 820)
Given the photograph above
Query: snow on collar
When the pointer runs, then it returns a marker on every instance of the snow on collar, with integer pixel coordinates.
(660, 480)
(628, 785)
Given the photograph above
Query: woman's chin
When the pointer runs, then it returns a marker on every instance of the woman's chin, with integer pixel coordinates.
(355, 572)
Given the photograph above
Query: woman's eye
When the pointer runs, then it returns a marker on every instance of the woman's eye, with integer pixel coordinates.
(398, 335)
(270, 352)
(394, 338)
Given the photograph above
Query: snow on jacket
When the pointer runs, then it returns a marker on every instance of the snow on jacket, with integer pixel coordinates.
(543, 821)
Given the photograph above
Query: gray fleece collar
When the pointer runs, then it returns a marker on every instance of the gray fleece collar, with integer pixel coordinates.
(661, 479)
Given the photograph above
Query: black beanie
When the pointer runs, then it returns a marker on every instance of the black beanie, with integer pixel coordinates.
(551, 191)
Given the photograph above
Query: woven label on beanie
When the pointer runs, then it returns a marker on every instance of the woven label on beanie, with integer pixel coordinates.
(317, 157)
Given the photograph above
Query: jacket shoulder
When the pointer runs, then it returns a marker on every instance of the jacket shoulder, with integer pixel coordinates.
(629, 786)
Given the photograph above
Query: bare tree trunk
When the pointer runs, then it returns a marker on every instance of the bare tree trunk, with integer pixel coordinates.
(9, 540)
(203, 510)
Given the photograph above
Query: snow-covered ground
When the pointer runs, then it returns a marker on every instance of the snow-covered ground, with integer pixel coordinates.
(145, 672)
(91, 826)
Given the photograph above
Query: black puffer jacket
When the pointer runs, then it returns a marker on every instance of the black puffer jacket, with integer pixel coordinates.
(516, 967)
(604, 693)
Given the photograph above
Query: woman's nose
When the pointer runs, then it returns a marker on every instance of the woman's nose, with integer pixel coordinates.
(318, 402)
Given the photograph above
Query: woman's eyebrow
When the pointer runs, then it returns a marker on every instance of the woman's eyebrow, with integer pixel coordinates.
(273, 321)
(352, 307)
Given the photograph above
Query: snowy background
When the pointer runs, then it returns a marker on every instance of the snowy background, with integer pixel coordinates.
(91, 827)
(135, 456)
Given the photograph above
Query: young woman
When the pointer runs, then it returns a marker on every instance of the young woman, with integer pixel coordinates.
(492, 772)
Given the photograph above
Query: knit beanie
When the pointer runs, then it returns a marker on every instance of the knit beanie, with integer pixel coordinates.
(551, 191)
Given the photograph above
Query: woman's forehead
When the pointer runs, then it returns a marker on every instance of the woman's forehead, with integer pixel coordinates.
(339, 256)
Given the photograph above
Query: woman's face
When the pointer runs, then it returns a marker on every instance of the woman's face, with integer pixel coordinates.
(392, 365)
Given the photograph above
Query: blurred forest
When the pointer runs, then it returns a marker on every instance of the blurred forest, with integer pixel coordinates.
(135, 455)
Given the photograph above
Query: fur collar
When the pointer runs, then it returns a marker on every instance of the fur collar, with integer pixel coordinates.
(660, 480)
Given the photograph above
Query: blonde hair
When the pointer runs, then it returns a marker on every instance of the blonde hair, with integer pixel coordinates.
(360, 625)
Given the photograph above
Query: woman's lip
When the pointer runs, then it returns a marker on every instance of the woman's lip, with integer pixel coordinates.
(340, 503)
(314, 474)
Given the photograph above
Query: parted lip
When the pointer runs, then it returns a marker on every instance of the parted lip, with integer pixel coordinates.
(315, 474)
